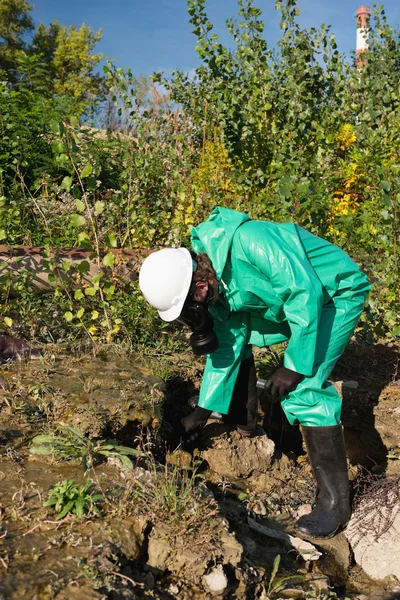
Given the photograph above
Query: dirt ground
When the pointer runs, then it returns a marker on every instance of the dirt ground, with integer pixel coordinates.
(178, 516)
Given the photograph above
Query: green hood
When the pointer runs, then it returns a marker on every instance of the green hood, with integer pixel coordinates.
(214, 236)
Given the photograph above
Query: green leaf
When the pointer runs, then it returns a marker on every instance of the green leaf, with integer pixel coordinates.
(78, 295)
(126, 462)
(80, 312)
(45, 438)
(57, 147)
(80, 206)
(66, 265)
(109, 291)
(8, 321)
(87, 169)
(99, 207)
(127, 450)
(68, 316)
(275, 567)
(83, 267)
(112, 240)
(66, 183)
(76, 192)
(91, 183)
(396, 331)
(90, 291)
(77, 220)
(385, 185)
(65, 510)
(79, 508)
(41, 450)
(108, 260)
(3, 234)
(54, 126)
(83, 237)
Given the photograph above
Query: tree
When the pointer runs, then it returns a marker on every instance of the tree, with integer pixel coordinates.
(15, 23)
(45, 43)
(74, 64)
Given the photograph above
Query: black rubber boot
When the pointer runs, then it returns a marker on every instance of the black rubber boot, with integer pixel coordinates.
(327, 455)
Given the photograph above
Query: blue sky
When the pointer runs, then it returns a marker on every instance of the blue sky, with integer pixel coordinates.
(155, 35)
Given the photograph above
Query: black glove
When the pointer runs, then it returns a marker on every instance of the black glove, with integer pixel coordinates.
(283, 381)
(195, 422)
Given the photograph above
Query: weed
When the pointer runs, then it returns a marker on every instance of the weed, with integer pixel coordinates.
(276, 585)
(175, 496)
(39, 390)
(71, 444)
(68, 497)
(89, 383)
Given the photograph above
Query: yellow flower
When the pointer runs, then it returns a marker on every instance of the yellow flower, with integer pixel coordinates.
(92, 330)
(346, 136)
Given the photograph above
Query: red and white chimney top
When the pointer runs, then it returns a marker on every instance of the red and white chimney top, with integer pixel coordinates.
(363, 15)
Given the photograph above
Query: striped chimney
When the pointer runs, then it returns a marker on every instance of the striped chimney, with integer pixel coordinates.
(363, 15)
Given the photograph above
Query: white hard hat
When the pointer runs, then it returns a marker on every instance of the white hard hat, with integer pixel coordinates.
(164, 278)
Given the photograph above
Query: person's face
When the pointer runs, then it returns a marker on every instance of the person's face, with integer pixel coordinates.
(202, 288)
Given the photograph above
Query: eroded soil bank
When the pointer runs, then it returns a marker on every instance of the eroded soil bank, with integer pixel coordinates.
(177, 522)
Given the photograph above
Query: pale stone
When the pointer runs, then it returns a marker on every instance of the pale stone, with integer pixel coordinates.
(304, 509)
(216, 580)
(375, 545)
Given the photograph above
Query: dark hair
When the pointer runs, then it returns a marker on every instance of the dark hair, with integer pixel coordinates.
(204, 271)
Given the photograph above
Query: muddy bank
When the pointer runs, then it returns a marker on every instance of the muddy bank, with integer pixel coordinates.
(166, 531)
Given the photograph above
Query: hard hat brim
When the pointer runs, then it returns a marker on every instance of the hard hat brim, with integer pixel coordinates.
(173, 313)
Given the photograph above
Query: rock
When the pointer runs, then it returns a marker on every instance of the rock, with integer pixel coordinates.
(257, 507)
(188, 560)
(305, 549)
(231, 549)
(319, 581)
(374, 535)
(336, 561)
(231, 455)
(13, 348)
(158, 550)
(173, 589)
(304, 509)
(129, 535)
(291, 593)
(216, 580)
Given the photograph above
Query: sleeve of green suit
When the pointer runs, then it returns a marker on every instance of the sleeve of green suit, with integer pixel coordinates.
(222, 366)
(298, 286)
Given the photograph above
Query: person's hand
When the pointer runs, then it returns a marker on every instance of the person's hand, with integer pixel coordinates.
(195, 422)
(283, 381)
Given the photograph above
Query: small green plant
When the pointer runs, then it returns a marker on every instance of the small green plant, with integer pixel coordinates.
(40, 389)
(70, 444)
(275, 584)
(175, 495)
(68, 497)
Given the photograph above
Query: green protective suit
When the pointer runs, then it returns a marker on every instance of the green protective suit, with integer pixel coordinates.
(281, 283)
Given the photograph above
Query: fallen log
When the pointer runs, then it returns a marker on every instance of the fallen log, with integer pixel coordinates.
(33, 263)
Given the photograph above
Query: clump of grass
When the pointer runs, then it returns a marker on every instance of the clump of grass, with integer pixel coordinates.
(69, 444)
(173, 495)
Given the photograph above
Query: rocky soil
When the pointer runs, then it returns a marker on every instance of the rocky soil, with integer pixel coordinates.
(212, 520)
